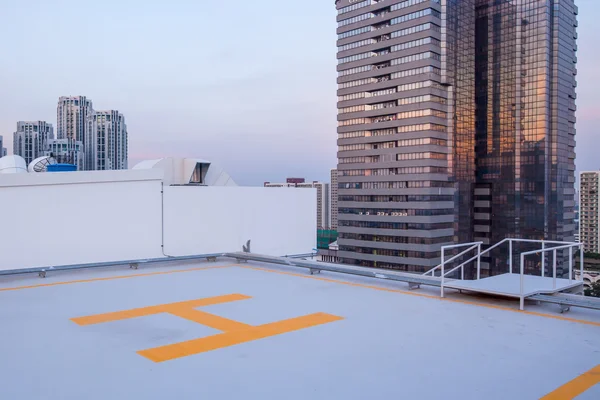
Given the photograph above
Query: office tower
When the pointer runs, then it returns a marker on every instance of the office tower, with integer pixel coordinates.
(106, 143)
(323, 217)
(66, 151)
(2, 149)
(524, 158)
(31, 138)
(589, 215)
(334, 199)
(456, 123)
(395, 204)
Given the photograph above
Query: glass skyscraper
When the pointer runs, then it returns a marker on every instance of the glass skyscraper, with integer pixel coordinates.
(456, 123)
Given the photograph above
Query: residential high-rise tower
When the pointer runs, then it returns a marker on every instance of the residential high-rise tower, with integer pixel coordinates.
(106, 141)
(72, 115)
(31, 139)
(589, 211)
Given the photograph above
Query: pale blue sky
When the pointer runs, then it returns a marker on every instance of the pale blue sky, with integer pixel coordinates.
(247, 84)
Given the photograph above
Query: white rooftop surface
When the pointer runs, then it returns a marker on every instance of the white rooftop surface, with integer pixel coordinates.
(510, 284)
(369, 339)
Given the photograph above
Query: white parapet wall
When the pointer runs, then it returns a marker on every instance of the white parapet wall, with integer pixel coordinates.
(201, 220)
(56, 219)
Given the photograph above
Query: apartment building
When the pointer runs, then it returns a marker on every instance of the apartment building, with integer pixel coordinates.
(589, 215)
(106, 144)
(31, 139)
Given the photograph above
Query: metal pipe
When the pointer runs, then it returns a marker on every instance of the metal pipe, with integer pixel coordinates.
(442, 283)
(547, 241)
(581, 262)
(550, 249)
(510, 255)
(462, 273)
(478, 262)
(570, 265)
(522, 288)
(543, 259)
(554, 270)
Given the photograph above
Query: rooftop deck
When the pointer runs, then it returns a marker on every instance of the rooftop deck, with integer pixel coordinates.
(225, 330)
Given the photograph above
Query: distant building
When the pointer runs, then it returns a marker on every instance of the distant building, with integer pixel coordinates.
(105, 146)
(2, 149)
(72, 115)
(323, 218)
(334, 199)
(66, 151)
(31, 139)
(589, 217)
(456, 123)
(576, 220)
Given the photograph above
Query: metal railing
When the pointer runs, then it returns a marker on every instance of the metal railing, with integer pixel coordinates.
(554, 258)
(554, 245)
(472, 244)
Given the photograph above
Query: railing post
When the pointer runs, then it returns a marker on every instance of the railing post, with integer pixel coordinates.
(543, 258)
(570, 264)
(462, 272)
(554, 270)
(510, 255)
(522, 289)
(581, 262)
(478, 261)
(442, 284)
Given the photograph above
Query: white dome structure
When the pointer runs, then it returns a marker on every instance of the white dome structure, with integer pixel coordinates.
(12, 165)
(40, 164)
(188, 171)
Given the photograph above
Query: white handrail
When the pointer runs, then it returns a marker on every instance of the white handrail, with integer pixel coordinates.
(444, 248)
(510, 240)
(543, 250)
(461, 265)
(477, 256)
(432, 270)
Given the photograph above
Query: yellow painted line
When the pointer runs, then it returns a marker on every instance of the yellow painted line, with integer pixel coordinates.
(207, 319)
(151, 310)
(110, 278)
(221, 340)
(577, 386)
(471, 303)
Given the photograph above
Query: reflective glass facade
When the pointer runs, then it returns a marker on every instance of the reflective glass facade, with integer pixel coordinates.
(466, 103)
(525, 121)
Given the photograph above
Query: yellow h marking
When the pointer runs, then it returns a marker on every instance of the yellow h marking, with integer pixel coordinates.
(234, 332)
(577, 386)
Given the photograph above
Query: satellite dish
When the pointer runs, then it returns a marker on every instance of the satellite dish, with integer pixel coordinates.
(40, 164)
